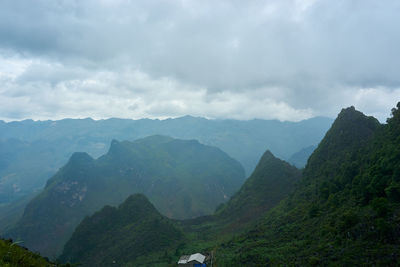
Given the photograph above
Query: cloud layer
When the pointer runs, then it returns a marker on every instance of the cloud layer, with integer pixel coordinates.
(286, 60)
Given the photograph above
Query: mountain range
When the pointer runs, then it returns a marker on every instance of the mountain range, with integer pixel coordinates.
(182, 178)
(342, 210)
(104, 237)
(32, 151)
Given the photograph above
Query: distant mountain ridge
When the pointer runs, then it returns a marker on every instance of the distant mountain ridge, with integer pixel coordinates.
(300, 158)
(182, 178)
(32, 151)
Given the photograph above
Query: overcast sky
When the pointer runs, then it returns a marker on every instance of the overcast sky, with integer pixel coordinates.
(283, 59)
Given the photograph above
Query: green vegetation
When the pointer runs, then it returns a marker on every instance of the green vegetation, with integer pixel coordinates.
(182, 178)
(272, 180)
(346, 210)
(12, 255)
(130, 235)
(122, 236)
(343, 211)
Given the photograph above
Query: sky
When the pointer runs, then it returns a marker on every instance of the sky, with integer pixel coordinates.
(274, 59)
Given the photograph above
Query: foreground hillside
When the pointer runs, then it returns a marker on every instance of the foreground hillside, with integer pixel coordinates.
(183, 179)
(345, 211)
(12, 255)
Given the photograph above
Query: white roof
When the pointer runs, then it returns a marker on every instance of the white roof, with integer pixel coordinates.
(197, 257)
(194, 257)
(184, 259)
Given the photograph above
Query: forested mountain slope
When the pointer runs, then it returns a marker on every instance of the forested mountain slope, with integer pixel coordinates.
(122, 235)
(344, 212)
(105, 236)
(272, 180)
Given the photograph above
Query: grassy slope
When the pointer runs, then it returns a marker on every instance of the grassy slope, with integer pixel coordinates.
(12, 255)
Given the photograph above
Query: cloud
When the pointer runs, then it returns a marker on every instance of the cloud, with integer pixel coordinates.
(134, 95)
(287, 59)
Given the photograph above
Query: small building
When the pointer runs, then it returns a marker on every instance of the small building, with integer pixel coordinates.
(194, 260)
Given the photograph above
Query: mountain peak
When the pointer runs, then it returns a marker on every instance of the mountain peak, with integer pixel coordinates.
(272, 180)
(266, 159)
(139, 204)
(352, 125)
(355, 117)
(349, 109)
(132, 230)
(350, 112)
(268, 155)
(80, 157)
(172, 174)
(349, 131)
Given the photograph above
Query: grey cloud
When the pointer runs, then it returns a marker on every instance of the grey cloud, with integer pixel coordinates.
(51, 73)
(306, 57)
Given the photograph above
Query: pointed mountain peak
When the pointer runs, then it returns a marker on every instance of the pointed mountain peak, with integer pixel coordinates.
(137, 205)
(351, 126)
(352, 115)
(267, 161)
(350, 131)
(349, 112)
(267, 158)
(104, 236)
(268, 155)
(136, 201)
(272, 180)
(136, 197)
